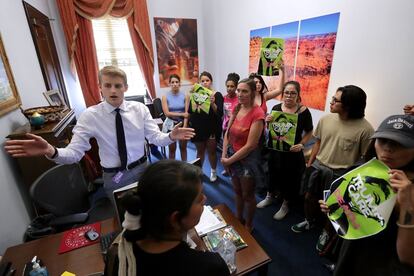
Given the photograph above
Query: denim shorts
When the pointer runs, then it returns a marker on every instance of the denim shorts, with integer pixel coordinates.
(248, 166)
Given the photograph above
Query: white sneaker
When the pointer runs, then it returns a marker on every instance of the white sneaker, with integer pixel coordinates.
(284, 209)
(213, 176)
(302, 226)
(265, 202)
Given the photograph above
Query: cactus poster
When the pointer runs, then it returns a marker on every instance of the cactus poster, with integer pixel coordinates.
(270, 56)
(282, 130)
(200, 99)
(361, 201)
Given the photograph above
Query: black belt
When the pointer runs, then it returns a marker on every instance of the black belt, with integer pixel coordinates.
(143, 159)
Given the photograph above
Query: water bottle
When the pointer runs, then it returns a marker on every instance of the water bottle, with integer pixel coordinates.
(37, 270)
(227, 251)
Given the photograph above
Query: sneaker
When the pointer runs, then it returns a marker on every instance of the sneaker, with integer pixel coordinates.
(302, 226)
(213, 176)
(265, 202)
(322, 241)
(284, 209)
(224, 173)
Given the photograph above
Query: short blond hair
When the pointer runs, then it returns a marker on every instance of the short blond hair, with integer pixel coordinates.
(112, 71)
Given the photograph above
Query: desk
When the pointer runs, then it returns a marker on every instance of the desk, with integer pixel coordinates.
(249, 259)
(88, 260)
(56, 133)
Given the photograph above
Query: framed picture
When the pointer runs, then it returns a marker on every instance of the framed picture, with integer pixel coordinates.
(9, 97)
(54, 98)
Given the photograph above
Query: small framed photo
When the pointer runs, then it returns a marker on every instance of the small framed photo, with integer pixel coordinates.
(54, 98)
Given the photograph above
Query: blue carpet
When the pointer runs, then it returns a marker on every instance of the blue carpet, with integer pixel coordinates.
(291, 253)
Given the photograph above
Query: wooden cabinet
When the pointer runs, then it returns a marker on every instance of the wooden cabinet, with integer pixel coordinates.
(56, 133)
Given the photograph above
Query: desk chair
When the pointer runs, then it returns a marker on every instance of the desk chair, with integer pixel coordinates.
(63, 192)
(159, 114)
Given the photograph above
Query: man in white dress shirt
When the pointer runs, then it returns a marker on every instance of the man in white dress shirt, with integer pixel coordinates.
(98, 122)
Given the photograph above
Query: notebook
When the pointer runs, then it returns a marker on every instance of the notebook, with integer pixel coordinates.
(208, 222)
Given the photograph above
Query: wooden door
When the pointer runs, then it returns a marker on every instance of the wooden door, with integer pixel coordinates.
(46, 50)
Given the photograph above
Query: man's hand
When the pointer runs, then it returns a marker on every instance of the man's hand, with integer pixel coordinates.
(181, 133)
(34, 146)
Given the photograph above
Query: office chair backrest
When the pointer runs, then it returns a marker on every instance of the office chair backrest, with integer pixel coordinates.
(158, 108)
(137, 98)
(61, 190)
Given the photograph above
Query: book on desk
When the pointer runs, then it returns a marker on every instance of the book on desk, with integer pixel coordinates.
(212, 228)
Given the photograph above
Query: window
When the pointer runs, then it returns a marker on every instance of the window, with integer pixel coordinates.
(114, 47)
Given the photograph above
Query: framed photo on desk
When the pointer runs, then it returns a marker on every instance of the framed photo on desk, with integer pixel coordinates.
(9, 97)
(54, 98)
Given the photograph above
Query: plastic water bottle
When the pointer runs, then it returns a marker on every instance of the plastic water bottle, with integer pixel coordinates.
(37, 270)
(227, 251)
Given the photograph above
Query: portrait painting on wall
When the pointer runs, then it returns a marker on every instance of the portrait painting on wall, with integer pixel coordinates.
(9, 97)
(177, 49)
(308, 55)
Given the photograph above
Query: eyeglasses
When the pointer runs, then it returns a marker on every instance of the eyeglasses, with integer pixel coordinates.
(290, 94)
(335, 100)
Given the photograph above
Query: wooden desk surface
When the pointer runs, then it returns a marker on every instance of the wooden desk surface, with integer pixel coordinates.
(81, 261)
(249, 258)
(88, 260)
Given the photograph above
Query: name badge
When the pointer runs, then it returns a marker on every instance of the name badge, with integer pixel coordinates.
(117, 177)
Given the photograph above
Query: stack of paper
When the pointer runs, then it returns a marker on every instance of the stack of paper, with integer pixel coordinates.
(208, 222)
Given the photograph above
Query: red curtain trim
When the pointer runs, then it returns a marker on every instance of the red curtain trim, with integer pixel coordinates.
(93, 16)
(73, 49)
(145, 45)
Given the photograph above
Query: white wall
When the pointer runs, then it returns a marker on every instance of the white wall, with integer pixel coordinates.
(373, 45)
(26, 70)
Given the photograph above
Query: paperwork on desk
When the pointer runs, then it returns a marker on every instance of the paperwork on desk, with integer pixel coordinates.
(209, 222)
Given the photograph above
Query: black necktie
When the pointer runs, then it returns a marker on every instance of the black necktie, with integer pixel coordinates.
(120, 136)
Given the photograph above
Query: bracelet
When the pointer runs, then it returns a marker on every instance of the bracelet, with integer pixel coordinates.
(54, 154)
(405, 225)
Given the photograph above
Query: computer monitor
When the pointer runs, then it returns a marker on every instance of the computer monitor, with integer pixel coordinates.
(117, 196)
(196, 162)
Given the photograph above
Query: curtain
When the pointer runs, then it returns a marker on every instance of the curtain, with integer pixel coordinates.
(76, 15)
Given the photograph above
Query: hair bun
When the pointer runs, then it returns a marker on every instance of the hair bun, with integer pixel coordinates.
(233, 77)
(132, 203)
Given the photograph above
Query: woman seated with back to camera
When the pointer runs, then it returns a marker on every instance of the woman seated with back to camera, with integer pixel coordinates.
(168, 202)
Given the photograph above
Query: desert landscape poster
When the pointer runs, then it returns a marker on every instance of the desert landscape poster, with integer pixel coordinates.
(254, 48)
(309, 48)
(288, 32)
(177, 50)
(316, 46)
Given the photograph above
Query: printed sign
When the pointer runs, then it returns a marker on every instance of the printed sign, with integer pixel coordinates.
(200, 99)
(361, 201)
(282, 130)
(271, 54)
